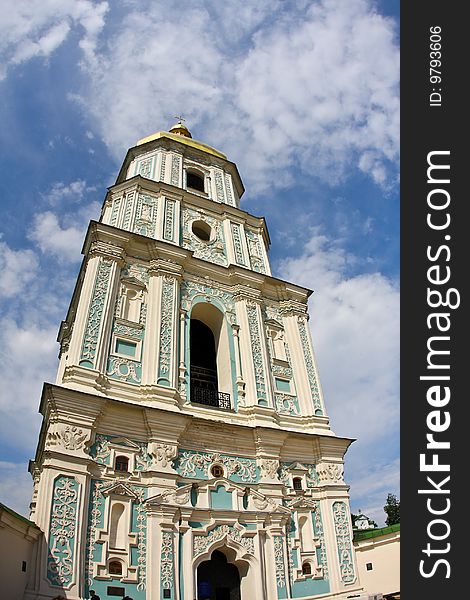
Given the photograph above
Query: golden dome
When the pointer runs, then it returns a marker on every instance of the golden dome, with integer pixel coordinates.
(180, 129)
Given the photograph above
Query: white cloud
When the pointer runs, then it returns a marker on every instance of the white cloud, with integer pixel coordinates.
(315, 86)
(73, 191)
(29, 357)
(63, 241)
(355, 327)
(31, 28)
(17, 269)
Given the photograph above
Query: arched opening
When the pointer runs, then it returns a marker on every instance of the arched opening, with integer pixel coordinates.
(210, 361)
(297, 483)
(121, 463)
(115, 567)
(117, 528)
(203, 372)
(306, 568)
(217, 579)
(194, 181)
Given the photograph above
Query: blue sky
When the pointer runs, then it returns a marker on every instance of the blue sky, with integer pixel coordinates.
(302, 96)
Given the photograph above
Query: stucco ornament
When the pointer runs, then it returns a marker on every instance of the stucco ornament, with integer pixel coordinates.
(330, 473)
(162, 455)
(269, 468)
(202, 543)
(73, 438)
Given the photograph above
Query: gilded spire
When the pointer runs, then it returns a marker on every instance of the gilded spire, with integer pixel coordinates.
(180, 128)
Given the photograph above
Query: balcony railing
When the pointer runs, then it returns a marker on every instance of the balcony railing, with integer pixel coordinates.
(208, 397)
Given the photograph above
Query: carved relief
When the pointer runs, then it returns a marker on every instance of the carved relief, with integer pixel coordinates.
(201, 542)
(62, 531)
(330, 473)
(162, 455)
(255, 252)
(196, 464)
(90, 338)
(167, 568)
(269, 468)
(312, 378)
(73, 438)
(342, 521)
(279, 561)
(212, 250)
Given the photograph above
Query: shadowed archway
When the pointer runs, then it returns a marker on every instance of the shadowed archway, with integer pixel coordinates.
(217, 579)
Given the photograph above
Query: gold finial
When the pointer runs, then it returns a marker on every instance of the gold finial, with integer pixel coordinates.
(180, 128)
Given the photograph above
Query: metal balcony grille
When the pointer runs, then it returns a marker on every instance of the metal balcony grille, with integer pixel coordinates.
(210, 397)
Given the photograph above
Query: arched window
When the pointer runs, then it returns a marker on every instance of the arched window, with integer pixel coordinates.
(121, 463)
(297, 483)
(117, 528)
(115, 567)
(194, 181)
(306, 568)
(211, 376)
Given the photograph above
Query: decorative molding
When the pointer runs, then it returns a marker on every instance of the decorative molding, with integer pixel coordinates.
(286, 404)
(124, 369)
(219, 186)
(228, 190)
(312, 378)
(92, 329)
(73, 438)
(256, 351)
(269, 468)
(237, 244)
(175, 170)
(146, 215)
(202, 542)
(191, 289)
(166, 329)
(129, 209)
(196, 464)
(169, 221)
(213, 250)
(167, 558)
(162, 455)
(62, 531)
(279, 561)
(330, 473)
(342, 523)
(255, 252)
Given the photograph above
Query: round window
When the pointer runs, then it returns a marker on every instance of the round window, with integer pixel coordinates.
(217, 471)
(202, 230)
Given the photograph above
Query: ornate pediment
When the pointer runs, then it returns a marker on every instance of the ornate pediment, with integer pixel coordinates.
(120, 489)
(300, 502)
(297, 467)
(178, 496)
(124, 443)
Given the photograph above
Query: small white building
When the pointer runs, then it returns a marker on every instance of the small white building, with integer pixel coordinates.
(378, 559)
(18, 537)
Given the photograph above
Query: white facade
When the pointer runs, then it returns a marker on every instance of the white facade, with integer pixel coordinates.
(378, 561)
(185, 450)
(19, 544)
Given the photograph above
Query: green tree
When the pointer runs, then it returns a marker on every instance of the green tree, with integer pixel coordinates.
(392, 510)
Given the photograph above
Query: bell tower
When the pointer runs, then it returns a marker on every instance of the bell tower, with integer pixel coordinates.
(185, 450)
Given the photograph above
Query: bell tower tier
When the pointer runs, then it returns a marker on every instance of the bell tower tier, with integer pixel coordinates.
(186, 434)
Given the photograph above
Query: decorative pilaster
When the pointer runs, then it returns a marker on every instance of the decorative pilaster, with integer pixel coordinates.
(167, 331)
(63, 532)
(309, 364)
(342, 522)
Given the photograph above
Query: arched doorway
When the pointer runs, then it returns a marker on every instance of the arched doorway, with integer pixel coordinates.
(217, 579)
